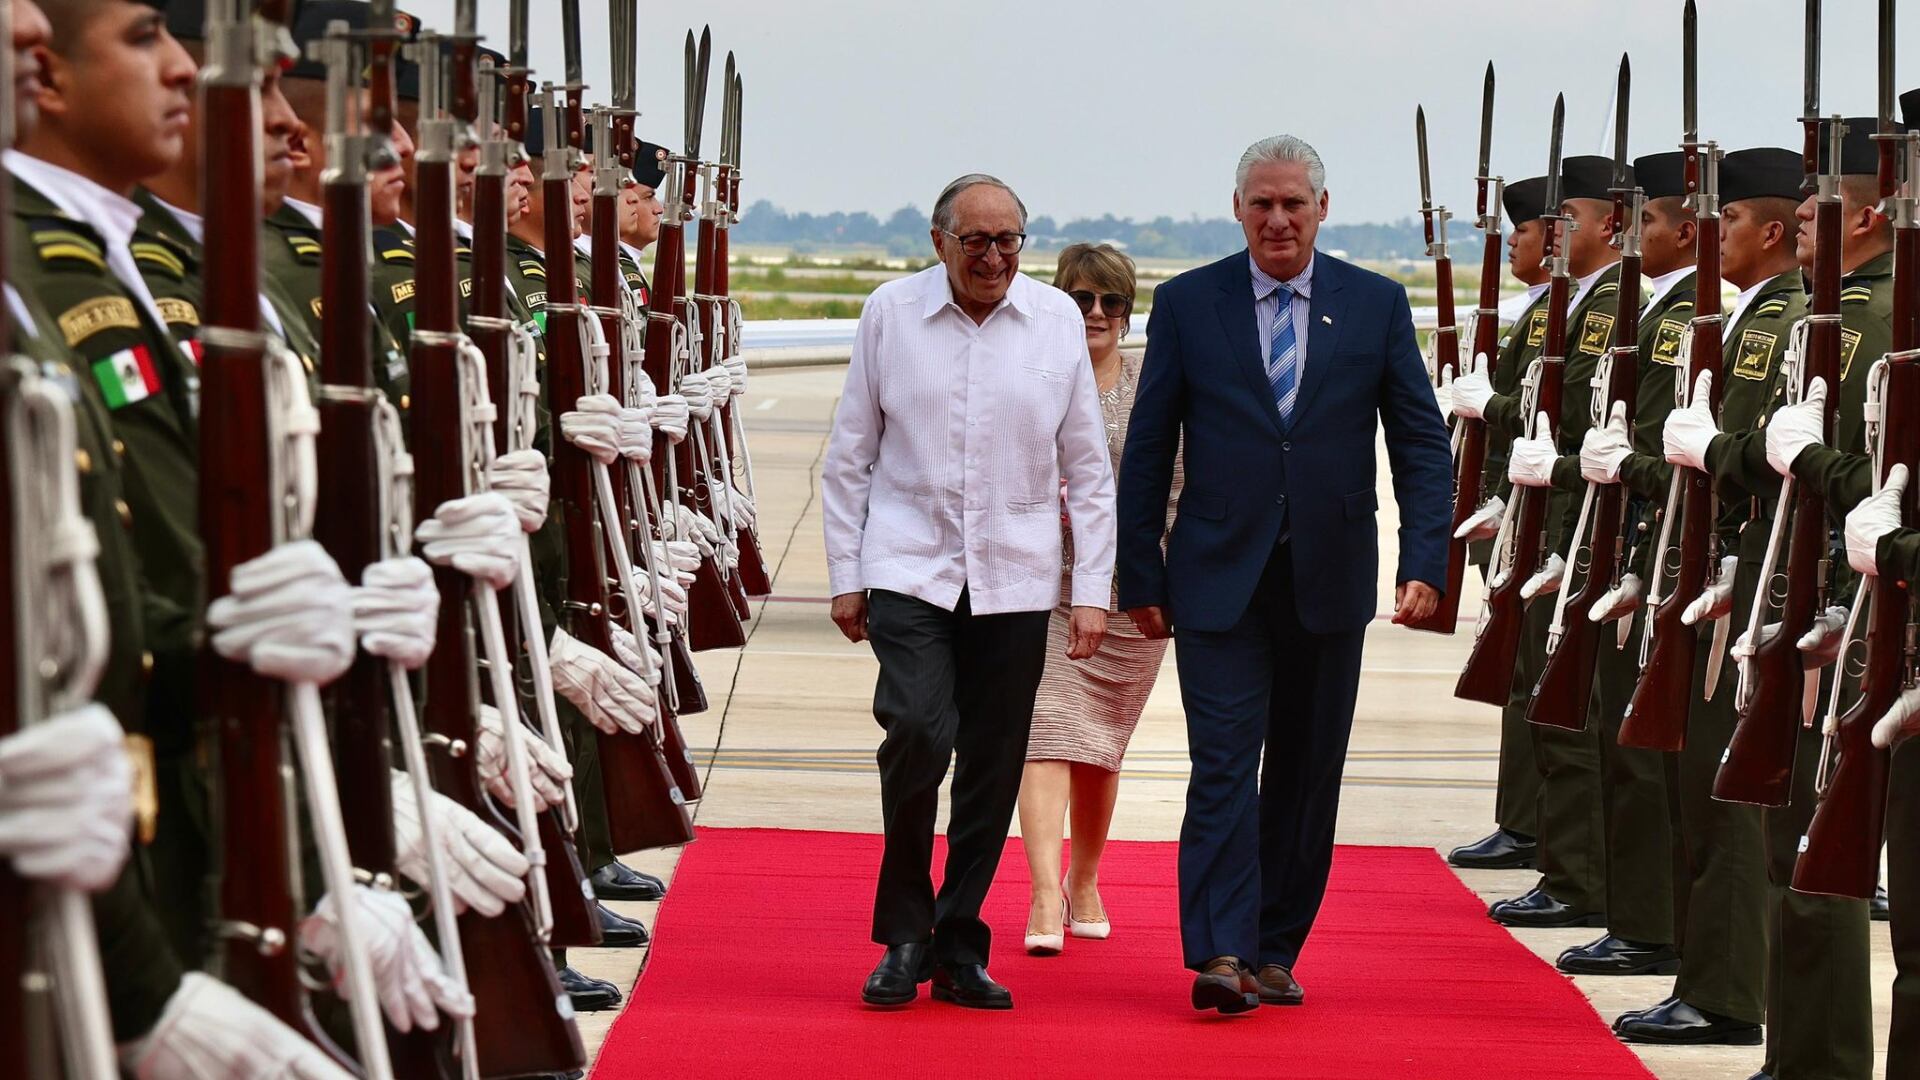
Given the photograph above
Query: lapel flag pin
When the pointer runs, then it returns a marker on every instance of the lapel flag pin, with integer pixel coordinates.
(1328, 319)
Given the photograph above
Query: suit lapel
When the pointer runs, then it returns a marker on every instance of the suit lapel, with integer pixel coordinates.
(1324, 315)
(1242, 328)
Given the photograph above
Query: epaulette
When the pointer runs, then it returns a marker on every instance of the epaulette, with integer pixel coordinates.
(59, 241)
(463, 251)
(1679, 304)
(1605, 289)
(149, 253)
(396, 255)
(305, 248)
(1857, 294)
(533, 268)
(1770, 307)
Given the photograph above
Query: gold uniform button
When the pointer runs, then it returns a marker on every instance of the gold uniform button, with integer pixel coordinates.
(406, 401)
(82, 461)
(146, 663)
(119, 449)
(126, 513)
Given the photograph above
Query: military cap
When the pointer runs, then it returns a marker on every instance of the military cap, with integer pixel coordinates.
(1662, 176)
(1859, 152)
(186, 19)
(1589, 176)
(1910, 108)
(310, 24)
(1525, 200)
(537, 132)
(647, 167)
(1764, 172)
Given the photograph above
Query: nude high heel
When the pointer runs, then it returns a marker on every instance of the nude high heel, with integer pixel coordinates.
(1044, 944)
(1097, 931)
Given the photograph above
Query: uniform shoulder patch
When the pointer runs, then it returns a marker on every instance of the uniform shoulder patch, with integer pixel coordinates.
(466, 287)
(1666, 341)
(305, 248)
(534, 269)
(1753, 356)
(1537, 328)
(537, 301)
(1849, 344)
(1856, 294)
(152, 255)
(89, 317)
(178, 312)
(403, 291)
(1595, 331)
(60, 241)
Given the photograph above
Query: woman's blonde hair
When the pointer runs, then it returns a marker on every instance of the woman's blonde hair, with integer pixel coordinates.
(1101, 267)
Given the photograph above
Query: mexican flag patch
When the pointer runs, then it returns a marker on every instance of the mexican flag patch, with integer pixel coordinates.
(127, 376)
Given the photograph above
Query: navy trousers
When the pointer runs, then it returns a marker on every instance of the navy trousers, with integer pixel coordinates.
(1257, 841)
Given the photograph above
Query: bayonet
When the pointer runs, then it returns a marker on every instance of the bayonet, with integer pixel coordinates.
(1887, 135)
(1690, 73)
(728, 102)
(575, 85)
(1486, 126)
(697, 65)
(739, 103)
(517, 34)
(1553, 155)
(517, 74)
(624, 46)
(1810, 93)
(1420, 137)
(1622, 92)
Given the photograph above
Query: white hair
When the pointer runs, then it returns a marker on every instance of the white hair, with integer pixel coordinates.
(943, 206)
(1282, 148)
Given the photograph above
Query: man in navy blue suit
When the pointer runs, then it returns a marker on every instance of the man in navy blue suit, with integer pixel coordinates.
(1273, 364)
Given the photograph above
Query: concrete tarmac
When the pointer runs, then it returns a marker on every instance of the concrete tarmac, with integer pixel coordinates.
(789, 740)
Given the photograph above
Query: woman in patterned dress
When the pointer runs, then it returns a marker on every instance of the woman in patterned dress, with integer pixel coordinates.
(1086, 709)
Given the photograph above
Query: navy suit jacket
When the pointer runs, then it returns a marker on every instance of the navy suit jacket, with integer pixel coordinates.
(1248, 477)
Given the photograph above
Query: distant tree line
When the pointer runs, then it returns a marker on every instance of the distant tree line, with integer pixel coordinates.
(903, 234)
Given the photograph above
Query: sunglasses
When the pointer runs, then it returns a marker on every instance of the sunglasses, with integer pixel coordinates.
(1113, 305)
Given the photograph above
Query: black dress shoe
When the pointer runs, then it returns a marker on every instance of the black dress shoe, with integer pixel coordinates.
(971, 986)
(1618, 956)
(588, 994)
(1877, 907)
(1501, 849)
(616, 882)
(1677, 1023)
(1226, 986)
(1278, 986)
(1635, 1014)
(897, 980)
(617, 931)
(1537, 909)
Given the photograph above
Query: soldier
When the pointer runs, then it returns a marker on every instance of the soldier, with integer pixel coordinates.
(640, 213)
(1572, 886)
(1717, 996)
(1512, 843)
(1633, 783)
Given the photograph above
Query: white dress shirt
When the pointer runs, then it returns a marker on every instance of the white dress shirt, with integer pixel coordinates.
(1266, 308)
(949, 444)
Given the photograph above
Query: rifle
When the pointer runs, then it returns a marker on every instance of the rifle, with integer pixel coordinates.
(497, 337)
(55, 620)
(1656, 716)
(1488, 676)
(1840, 854)
(711, 289)
(712, 620)
(513, 975)
(1561, 697)
(1470, 433)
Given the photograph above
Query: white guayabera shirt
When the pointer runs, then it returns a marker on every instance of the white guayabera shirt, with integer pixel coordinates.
(949, 445)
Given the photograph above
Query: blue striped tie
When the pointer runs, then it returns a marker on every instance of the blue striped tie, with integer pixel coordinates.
(1283, 356)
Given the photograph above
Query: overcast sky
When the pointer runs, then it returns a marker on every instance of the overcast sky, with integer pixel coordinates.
(1141, 109)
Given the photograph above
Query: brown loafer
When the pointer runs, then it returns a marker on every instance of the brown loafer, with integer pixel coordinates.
(1226, 986)
(1277, 986)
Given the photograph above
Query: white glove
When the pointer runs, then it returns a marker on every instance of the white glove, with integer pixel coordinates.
(594, 427)
(1485, 522)
(1443, 393)
(736, 366)
(289, 615)
(66, 799)
(396, 610)
(485, 871)
(720, 380)
(1718, 599)
(672, 593)
(1690, 430)
(635, 654)
(413, 987)
(1876, 516)
(1531, 462)
(636, 433)
(744, 515)
(685, 523)
(547, 772)
(209, 1030)
(1472, 389)
(522, 477)
(1796, 427)
(1605, 447)
(670, 413)
(1547, 581)
(1899, 724)
(612, 698)
(682, 555)
(478, 535)
(1619, 601)
(697, 388)
(1820, 645)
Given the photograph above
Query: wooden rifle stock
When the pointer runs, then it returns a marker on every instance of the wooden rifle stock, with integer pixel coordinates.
(1488, 676)
(1656, 716)
(754, 579)
(508, 972)
(1565, 690)
(1758, 766)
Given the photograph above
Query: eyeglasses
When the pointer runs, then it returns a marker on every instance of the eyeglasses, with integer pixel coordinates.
(1113, 305)
(974, 245)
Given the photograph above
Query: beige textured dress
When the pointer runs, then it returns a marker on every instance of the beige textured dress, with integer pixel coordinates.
(1087, 709)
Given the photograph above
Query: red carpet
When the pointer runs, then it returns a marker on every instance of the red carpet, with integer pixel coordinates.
(763, 947)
